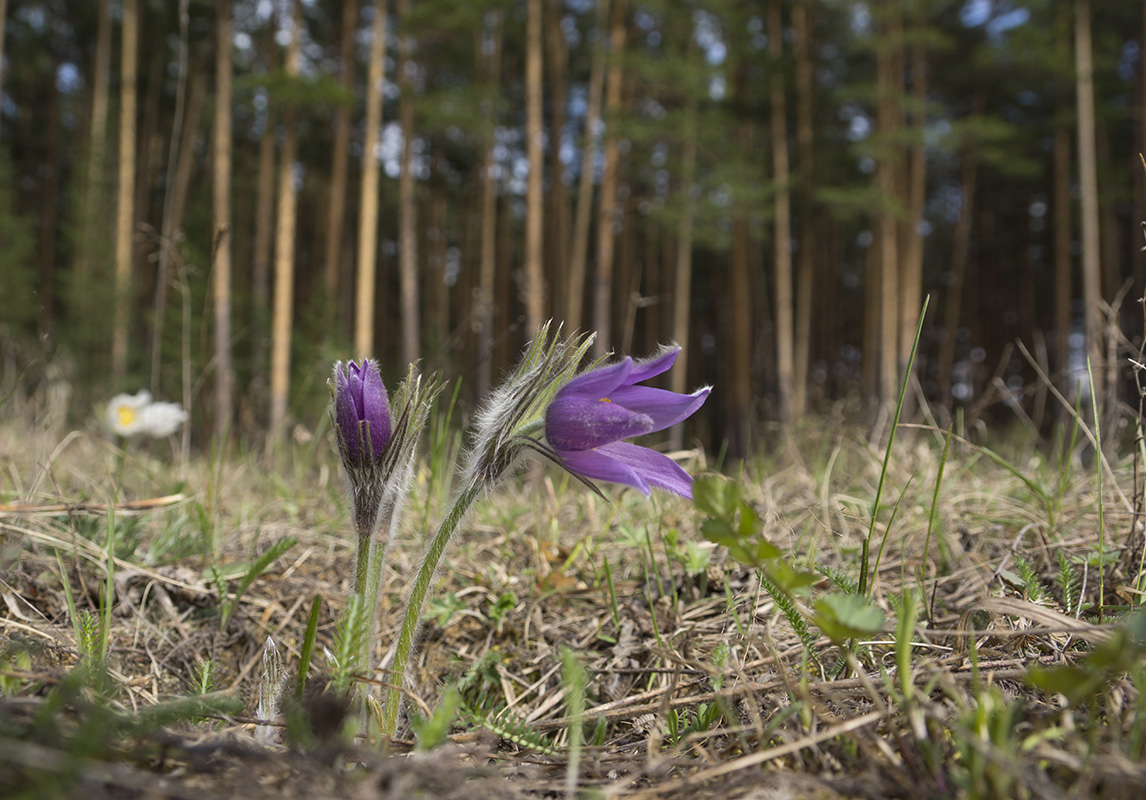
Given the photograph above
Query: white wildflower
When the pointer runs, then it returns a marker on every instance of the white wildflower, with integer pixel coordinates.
(129, 415)
(162, 419)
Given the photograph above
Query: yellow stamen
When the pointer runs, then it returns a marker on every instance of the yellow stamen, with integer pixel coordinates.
(605, 400)
(125, 415)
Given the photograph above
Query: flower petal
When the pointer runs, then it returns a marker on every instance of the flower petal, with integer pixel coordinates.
(578, 423)
(650, 367)
(603, 467)
(664, 407)
(162, 419)
(344, 411)
(600, 382)
(354, 379)
(375, 407)
(631, 465)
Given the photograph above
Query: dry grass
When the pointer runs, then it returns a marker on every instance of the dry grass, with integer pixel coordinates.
(665, 639)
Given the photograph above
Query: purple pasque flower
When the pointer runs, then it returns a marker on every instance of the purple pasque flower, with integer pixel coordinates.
(360, 397)
(590, 416)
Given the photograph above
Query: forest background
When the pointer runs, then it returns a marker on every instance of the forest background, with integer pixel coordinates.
(214, 200)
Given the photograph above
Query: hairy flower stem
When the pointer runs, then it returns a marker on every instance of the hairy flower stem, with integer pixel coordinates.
(370, 556)
(417, 599)
(362, 562)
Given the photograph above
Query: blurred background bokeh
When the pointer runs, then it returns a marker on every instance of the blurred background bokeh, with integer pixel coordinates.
(214, 199)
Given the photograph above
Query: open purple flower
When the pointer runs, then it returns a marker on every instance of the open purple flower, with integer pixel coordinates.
(591, 415)
(360, 397)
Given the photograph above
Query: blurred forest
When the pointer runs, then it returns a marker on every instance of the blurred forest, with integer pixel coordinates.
(214, 199)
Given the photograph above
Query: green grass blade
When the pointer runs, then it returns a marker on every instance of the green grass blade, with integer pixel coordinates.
(308, 638)
(863, 581)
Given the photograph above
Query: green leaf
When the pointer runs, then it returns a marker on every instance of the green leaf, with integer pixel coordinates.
(719, 532)
(789, 579)
(750, 522)
(847, 616)
(710, 495)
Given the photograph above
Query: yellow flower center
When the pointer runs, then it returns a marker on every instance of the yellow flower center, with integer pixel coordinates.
(125, 415)
(605, 400)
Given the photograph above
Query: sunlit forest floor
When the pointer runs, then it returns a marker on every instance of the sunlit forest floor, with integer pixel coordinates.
(692, 676)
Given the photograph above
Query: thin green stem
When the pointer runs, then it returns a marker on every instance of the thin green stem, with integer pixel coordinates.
(370, 594)
(1101, 521)
(362, 562)
(417, 599)
(866, 545)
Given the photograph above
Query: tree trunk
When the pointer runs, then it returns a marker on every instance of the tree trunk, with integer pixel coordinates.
(97, 138)
(558, 215)
(490, 66)
(437, 288)
(1088, 187)
(739, 358)
(340, 163)
(505, 322)
(911, 275)
(181, 133)
(49, 210)
(1063, 272)
(960, 249)
(805, 164)
(368, 207)
(125, 191)
(682, 273)
(887, 173)
(872, 321)
(3, 21)
(607, 216)
(284, 247)
(740, 344)
(407, 204)
(575, 289)
(221, 204)
(261, 257)
(534, 200)
(782, 236)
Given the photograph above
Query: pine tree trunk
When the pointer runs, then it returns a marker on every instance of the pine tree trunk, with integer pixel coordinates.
(682, 272)
(911, 276)
(805, 161)
(261, 257)
(607, 216)
(181, 134)
(3, 21)
(97, 146)
(221, 204)
(490, 66)
(1063, 272)
(368, 206)
(340, 163)
(740, 344)
(960, 250)
(887, 177)
(575, 289)
(284, 248)
(49, 211)
(407, 205)
(783, 216)
(437, 290)
(1088, 187)
(506, 312)
(872, 322)
(558, 214)
(534, 200)
(125, 191)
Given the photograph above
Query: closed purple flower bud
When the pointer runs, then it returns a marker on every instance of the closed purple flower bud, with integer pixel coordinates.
(360, 397)
(591, 415)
